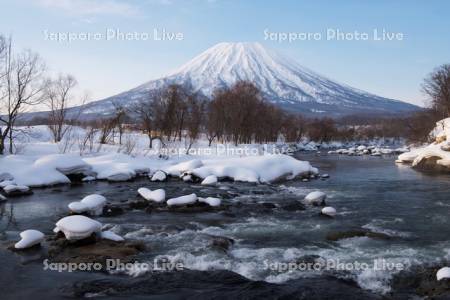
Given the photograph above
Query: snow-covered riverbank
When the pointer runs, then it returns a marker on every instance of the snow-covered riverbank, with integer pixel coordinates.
(436, 155)
(42, 163)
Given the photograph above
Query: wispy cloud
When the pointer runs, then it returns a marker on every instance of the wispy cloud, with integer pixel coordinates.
(91, 7)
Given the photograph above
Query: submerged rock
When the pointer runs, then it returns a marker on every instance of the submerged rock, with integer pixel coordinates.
(340, 235)
(218, 284)
(112, 211)
(91, 250)
(422, 281)
(293, 206)
(222, 243)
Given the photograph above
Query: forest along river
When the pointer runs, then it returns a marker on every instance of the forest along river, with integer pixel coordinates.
(407, 213)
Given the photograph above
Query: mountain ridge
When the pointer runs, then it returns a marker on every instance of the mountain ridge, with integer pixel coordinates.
(281, 80)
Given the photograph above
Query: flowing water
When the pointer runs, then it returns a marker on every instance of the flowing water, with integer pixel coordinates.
(369, 193)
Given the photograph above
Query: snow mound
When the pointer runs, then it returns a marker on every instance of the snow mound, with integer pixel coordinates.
(9, 189)
(211, 201)
(77, 227)
(78, 207)
(329, 211)
(156, 195)
(316, 198)
(178, 169)
(183, 200)
(443, 273)
(210, 180)
(95, 203)
(159, 176)
(64, 163)
(29, 238)
(92, 204)
(263, 169)
(116, 167)
(109, 235)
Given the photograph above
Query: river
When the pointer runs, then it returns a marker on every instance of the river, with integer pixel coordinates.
(369, 193)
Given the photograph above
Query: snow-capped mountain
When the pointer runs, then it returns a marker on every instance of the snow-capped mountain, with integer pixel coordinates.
(281, 80)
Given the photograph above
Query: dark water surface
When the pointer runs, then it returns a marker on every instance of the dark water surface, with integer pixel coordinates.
(369, 193)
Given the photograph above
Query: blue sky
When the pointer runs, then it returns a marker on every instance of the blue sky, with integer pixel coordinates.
(392, 69)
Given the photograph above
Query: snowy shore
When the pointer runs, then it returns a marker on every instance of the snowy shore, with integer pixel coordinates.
(436, 155)
(40, 164)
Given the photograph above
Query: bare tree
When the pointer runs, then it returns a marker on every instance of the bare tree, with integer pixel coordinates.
(119, 119)
(21, 87)
(437, 87)
(58, 94)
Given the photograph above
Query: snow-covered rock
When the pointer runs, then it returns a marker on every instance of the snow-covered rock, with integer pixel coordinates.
(264, 168)
(144, 193)
(316, 198)
(210, 180)
(156, 195)
(178, 169)
(95, 202)
(16, 189)
(329, 211)
(29, 238)
(92, 204)
(3, 198)
(78, 207)
(183, 200)
(78, 227)
(443, 273)
(211, 201)
(187, 178)
(159, 176)
(109, 235)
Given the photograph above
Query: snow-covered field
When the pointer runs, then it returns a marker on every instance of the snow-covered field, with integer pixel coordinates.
(41, 162)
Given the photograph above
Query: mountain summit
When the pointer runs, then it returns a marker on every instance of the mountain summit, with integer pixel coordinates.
(281, 80)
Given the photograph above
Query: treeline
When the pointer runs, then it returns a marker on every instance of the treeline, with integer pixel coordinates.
(240, 114)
